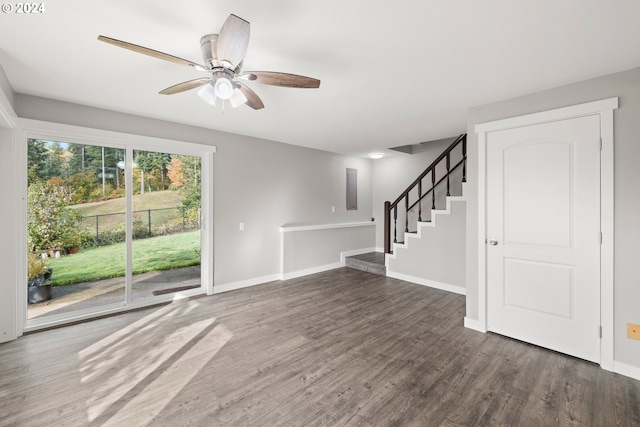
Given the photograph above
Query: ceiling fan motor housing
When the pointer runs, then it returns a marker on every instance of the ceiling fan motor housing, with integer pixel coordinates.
(209, 47)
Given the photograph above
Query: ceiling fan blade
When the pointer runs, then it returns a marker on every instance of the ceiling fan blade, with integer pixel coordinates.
(233, 40)
(253, 100)
(284, 79)
(184, 86)
(247, 76)
(150, 52)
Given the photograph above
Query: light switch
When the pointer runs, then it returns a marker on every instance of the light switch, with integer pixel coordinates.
(241, 227)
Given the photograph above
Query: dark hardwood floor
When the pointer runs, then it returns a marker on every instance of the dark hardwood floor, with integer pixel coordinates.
(343, 347)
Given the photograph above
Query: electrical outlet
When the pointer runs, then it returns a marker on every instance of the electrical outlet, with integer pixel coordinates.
(333, 209)
(633, 331)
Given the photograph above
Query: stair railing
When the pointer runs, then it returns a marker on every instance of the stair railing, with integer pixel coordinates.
(391, 209)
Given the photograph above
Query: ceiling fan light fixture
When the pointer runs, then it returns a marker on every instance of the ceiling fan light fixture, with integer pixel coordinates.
(208, 93)
(237, 99)
(223, 88)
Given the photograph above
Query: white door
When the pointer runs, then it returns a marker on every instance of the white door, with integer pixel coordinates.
(543, 235)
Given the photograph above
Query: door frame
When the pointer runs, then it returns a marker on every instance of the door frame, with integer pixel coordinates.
(28, 128)
(604, 108)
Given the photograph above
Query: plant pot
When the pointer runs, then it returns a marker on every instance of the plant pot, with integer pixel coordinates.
(73, 250)
(38, 294)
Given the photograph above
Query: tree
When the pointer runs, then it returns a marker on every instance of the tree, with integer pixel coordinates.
(184, 173)
(36, 158)
(49, 220)
(54, 162)
(174, 172)
(152, 165)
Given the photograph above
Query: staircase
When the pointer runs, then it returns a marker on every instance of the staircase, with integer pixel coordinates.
(408, 208)
(424, 231)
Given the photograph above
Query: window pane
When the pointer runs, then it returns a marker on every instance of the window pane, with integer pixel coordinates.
(166, 223)
(75, 227)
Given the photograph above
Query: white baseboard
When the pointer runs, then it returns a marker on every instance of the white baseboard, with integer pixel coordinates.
(473, 324)
(232, 286)
(430, 283)
(312, 270)
(353, 252)
(626, 370)
(226, 287)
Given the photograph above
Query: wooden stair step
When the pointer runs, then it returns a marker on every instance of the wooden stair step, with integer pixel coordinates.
(371, 263)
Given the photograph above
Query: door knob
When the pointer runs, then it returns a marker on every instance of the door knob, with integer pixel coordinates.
(493, 242)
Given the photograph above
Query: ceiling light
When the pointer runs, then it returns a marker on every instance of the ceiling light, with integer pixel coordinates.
(223, 88)
(237, 98)
(376, 155)
(208, 93)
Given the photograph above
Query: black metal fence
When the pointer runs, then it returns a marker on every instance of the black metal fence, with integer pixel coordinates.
(107, 229)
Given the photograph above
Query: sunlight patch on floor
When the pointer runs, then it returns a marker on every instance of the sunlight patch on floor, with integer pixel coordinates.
(134, 373)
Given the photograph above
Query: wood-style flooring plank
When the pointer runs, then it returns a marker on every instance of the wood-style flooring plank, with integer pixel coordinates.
(339, 348)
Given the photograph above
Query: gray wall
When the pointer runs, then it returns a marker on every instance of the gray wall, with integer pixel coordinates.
(438, 255)
(626, 86)
(309, 249)
(262, 183)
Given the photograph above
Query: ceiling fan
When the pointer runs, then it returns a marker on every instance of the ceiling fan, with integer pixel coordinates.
(223, 55)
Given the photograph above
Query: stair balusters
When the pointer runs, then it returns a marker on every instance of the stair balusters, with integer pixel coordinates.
(388, 206)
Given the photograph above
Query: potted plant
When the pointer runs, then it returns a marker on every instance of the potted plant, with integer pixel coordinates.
(72, 240)
(38, 279)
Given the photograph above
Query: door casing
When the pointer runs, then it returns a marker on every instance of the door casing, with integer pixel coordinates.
(604, 108)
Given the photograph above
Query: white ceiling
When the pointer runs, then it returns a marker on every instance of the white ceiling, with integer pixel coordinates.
(393, 73)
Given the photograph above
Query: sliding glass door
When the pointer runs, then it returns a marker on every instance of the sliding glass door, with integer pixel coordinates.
(110, 227)
(166, 223)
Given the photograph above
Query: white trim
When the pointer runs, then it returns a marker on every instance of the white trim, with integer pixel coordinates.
(8, 115)
(482, 225)
(290, 228)
(232, 286)
(430, 283)
(607, 222)
(207, 229)
(354, 252)
(604, 109)
(473, 324)
(21, 228)
(312, 270)
(78, 134)
(563, 113)
(626, 370)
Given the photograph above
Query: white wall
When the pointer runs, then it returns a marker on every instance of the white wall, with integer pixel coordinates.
(626, 86)
(262, 183)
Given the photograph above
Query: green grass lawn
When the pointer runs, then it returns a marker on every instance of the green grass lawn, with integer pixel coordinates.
(141, 202)
(152, 254)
